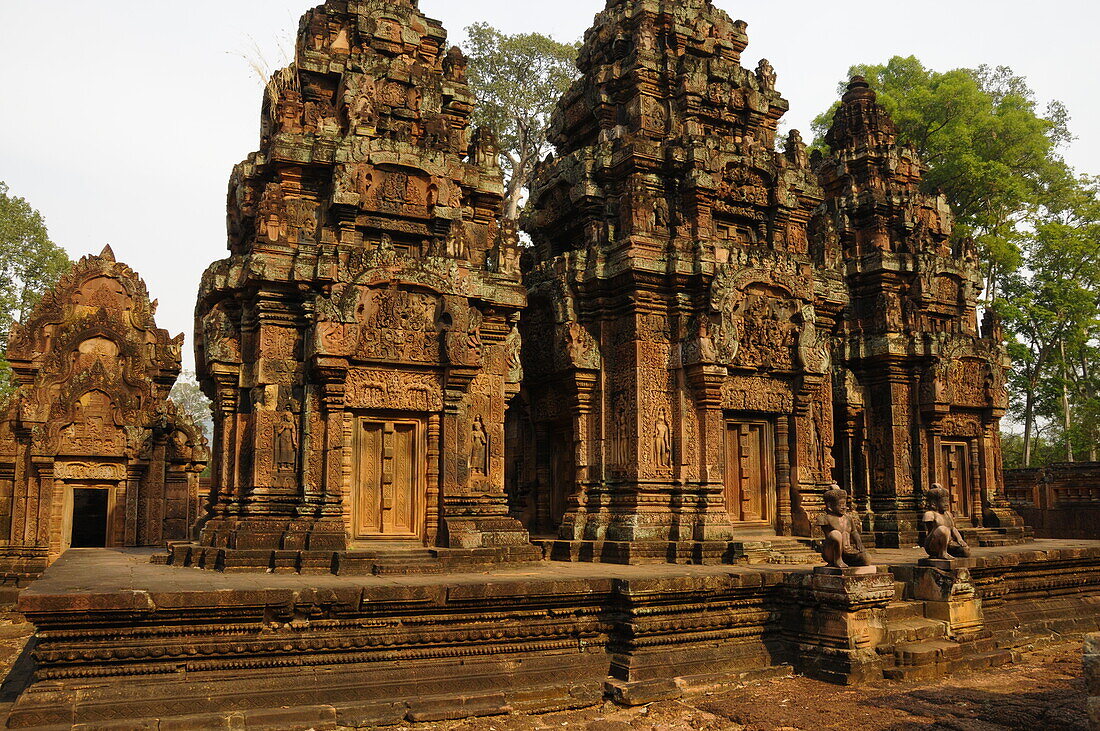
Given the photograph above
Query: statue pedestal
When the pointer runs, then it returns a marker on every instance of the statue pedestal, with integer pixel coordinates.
(945, 588)
(835, 619)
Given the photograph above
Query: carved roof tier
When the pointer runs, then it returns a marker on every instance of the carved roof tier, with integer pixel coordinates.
(365, 143)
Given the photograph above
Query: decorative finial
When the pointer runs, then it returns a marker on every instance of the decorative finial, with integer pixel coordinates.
(108, 253)
(858, 88)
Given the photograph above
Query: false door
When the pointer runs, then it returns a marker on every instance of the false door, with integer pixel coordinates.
(957, 476)
(750, 471)
(388, 481)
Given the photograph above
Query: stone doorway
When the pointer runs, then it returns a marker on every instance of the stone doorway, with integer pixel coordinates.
(957, 476)
(750, 471)
(388, 480)
(88, 517)
(562, 473)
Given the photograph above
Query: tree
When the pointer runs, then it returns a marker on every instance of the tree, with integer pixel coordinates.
(189, 398)
(518, 80)
(1051, 306)
(30, 263)
(989, 148)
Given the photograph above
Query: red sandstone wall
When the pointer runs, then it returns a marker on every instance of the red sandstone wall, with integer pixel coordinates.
(1059, 501)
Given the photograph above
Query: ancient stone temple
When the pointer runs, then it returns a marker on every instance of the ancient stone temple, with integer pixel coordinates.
(92, 454)
(920, 387)
(362, 340)
(678, 334)
(713, 333)
(717, 331)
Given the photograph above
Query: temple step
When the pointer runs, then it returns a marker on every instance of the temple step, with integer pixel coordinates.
(792, 552)
(899, 610)
(995, 537)
(914, 629)
(391, 560)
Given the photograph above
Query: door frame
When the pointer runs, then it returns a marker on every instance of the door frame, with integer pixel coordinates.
(963, 499)
(69, 504)
(420, 465)
(770, 488)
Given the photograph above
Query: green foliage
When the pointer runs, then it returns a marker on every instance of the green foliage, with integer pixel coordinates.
(29, 264)
(990, 149)
(518, 80)
(1051, 307)
(189, 398)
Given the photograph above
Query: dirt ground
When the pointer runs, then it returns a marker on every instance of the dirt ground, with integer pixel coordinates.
(1043, 692)
(14, 633)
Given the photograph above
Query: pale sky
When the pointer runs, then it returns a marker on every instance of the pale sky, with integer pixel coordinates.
(120, 120)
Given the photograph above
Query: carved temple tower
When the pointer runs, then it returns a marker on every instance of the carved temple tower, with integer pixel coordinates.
(923, 392)
(362, 341)
(677, 343)
(92, 453)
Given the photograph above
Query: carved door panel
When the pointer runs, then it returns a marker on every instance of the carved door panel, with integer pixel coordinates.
(956, 476)
(750, 471)
(388, 480)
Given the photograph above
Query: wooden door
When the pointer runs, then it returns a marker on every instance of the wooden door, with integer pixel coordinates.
(956, 476)
(750, 471)
(388, 480)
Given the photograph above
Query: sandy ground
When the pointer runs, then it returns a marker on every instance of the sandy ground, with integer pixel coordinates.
(1043, 692)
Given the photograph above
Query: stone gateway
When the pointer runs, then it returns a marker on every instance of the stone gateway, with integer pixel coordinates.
(92, 454)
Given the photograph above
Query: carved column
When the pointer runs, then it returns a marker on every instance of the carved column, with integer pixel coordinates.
(784, 484)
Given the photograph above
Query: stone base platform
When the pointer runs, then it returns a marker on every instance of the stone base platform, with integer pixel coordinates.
(753, 550)
(126, 643)
(384, 558)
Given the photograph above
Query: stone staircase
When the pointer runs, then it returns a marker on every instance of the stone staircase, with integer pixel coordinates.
(918, 648)
(792, 552)
(396, 559)
(986, 537)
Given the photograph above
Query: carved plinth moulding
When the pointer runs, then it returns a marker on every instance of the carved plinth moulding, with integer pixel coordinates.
(92, 452)
(367, 314)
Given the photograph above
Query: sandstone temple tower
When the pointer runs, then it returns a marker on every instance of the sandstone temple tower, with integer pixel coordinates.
(717, 331)
(362, 340)
(677, 343)
(92, 454)
(921, 390)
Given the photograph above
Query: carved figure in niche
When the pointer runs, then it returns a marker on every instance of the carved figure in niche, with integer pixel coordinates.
(766, 73)
(286, 445)
(813, 347)
(843, 546)
(479, 447)
(271, 209)
(484, 148)
(942, 539)
(288, 114)
(513, 350)
(661, 213)
(620, 446)
(454, 65)
(662, 441)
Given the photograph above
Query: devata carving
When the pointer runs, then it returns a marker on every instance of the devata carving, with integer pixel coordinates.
(369, 306)
(90, 427)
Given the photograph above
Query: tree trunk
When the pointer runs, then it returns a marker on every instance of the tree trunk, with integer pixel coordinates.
(1029, 421)
(1067, 420)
